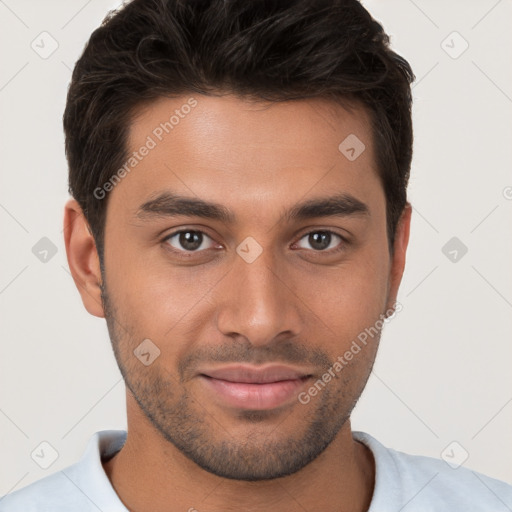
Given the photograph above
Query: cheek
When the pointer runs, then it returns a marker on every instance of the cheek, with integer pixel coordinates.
(149, 285)
(159, 300)
(351, 297)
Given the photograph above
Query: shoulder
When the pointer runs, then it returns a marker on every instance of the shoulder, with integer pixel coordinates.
(81, 487)
(425, 483)
(54, 493)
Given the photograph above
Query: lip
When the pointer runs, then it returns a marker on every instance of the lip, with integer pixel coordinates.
(255, 375)
(256, 388)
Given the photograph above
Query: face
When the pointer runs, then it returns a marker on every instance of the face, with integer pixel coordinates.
(244, 256)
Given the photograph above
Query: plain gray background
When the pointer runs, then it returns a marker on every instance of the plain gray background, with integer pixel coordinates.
(443, 371)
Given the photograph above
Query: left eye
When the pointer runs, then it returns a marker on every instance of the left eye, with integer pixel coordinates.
(189, 240)
(320, 240)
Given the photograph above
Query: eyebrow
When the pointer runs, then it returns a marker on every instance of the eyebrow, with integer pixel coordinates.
(167, 204)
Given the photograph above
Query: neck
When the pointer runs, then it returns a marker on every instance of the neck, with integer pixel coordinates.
(150, 474)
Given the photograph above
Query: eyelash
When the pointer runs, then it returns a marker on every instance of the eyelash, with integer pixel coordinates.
(187, 254)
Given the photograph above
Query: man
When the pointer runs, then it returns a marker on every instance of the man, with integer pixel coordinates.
(239, 218)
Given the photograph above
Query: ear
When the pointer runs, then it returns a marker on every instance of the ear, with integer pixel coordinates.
(398, 260)
(83, 259)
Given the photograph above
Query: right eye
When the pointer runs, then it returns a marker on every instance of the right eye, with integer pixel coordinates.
(188, 240)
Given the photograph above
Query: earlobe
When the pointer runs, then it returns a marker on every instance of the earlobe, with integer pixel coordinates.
(399, 254)
(83, 259)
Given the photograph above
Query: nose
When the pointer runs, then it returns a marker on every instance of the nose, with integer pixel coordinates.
(258, 302)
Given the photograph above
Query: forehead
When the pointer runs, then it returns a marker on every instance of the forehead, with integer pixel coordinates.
(315, 124)
(227, 149)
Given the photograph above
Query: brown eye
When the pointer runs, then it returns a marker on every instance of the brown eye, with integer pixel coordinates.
(320, 240)
(188, 240)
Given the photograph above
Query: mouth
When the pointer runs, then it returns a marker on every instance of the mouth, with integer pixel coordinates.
(250, 387)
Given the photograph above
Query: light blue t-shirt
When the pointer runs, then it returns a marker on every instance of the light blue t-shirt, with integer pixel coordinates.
(403, 482)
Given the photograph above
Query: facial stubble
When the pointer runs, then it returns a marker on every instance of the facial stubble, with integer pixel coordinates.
(181, 417)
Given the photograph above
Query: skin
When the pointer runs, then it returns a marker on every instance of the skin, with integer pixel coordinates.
(294, 304)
